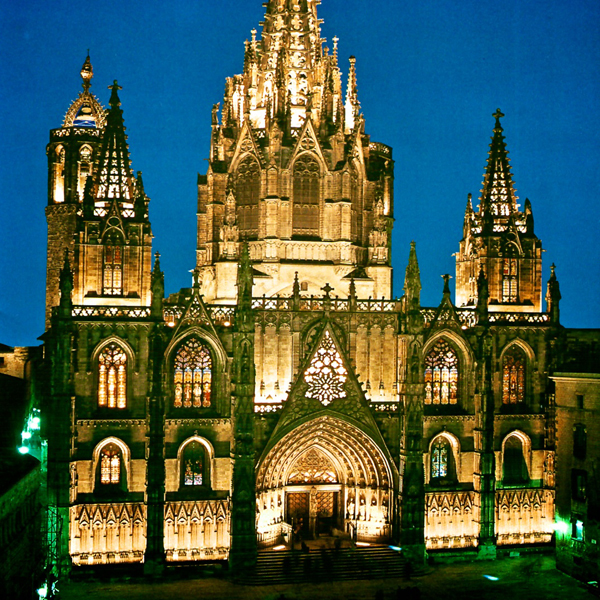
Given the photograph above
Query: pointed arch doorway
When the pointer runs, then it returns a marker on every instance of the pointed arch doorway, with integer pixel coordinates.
(323, 475)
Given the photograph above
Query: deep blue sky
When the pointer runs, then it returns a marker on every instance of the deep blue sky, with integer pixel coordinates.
(430, 74)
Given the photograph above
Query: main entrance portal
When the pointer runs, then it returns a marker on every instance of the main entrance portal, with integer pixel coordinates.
(323, 476)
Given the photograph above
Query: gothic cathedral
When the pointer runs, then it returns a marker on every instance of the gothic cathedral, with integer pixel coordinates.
(288, 388)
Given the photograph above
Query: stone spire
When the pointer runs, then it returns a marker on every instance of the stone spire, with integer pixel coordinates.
(114, 176)
(412, 280)
(352, 106)
(87, 72)
(553, 296)
(498, 198)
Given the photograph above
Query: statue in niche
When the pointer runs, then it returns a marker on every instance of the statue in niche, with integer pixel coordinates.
(351, 506)
(362, 509)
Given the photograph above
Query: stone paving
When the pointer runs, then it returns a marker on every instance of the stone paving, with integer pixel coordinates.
(532, 577)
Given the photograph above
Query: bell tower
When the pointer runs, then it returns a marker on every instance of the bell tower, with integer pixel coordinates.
(293, 172)
(498, 239)
(72, 154)
(97, 209)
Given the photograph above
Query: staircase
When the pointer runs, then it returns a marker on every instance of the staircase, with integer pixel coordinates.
(275, 567)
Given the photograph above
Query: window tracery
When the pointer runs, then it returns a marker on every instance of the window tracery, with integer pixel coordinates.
(192, 462)
(110, 465)
(513, 376)
(326, 373)
(441, 374)
(439, 458)
(510, 288)
(113, 270)
(193, 375)
(306, 186)
(112, 377)
(312, 467)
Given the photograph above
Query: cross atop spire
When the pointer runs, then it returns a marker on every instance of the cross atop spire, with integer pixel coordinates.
(87, 72)
(114, 97)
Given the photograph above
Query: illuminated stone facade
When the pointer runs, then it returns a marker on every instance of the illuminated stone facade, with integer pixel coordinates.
(287, 387)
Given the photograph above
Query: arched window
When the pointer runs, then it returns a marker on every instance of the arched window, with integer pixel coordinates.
(306, 185)
(193, 375)
(193, 466)
(514, 467)
(439, 458)
(59, 175)
(247, 195)
(441, 374)
(85, 168)
(110, 465)
(112, 377)
(513, 376)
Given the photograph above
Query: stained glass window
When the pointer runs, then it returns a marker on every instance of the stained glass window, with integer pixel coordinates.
(306, 184)
(441, 374)
(193, 463)
(113, 271)
(247, 196)
(513, 376)
(110, 465)
(326, 374)
(509, 280)
(439, 458)
(112, 377)
(193, 375)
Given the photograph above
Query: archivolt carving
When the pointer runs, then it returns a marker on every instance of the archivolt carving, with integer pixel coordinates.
(361, 462)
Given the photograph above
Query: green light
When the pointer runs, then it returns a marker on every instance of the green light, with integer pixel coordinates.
(23, 449)
(35, 423)
(561, 527)
(43, 591)
(26, 435)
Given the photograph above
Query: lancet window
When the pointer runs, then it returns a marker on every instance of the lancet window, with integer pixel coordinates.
(510, 287)
(113, 270)
(441, 374)
(112, 377)
(193, 375)
(439, 458)
(306, 186)
(59, 175)
(85, 168)
(513, 376)
(110, 465)
(192, 464)
(326, 373)
(247, 195)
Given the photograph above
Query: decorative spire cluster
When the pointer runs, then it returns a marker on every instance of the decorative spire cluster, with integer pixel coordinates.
(288, 73)
(86, 110)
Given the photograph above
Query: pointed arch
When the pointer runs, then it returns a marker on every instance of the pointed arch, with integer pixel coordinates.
(515, 463)
(451, 461)
(111, 461)
(112, 359)
(510, 274)
(192, 366)
(247, 187)
(514, 374)
(442, 371)
(306, 195)
(194, 457)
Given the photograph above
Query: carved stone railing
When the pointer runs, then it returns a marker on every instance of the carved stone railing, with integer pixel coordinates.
(387, 407)
(73, 131)
(380, 148)
(267, 407)
(110, 312)
(519, 318)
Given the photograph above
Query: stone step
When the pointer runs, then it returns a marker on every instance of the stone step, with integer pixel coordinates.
(274, 567)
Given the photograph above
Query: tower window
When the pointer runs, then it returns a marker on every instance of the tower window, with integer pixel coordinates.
(112, 377)
(306, 185)
(247, 195)
(110, 465)
(113, 271)
(579, 441)
(513, 376)
(509, 280)
(193, 458)
(193, 375)
(441, 375)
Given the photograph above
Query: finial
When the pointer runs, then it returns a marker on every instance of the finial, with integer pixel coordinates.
(553, 270)
(157, 260)
(498, 114)
(446, 277)
(87, 72)
(114, 97)
(327, 288)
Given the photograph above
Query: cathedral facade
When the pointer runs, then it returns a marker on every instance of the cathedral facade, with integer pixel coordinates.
(287, 388)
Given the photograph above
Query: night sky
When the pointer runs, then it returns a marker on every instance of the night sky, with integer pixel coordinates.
(430, 75)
